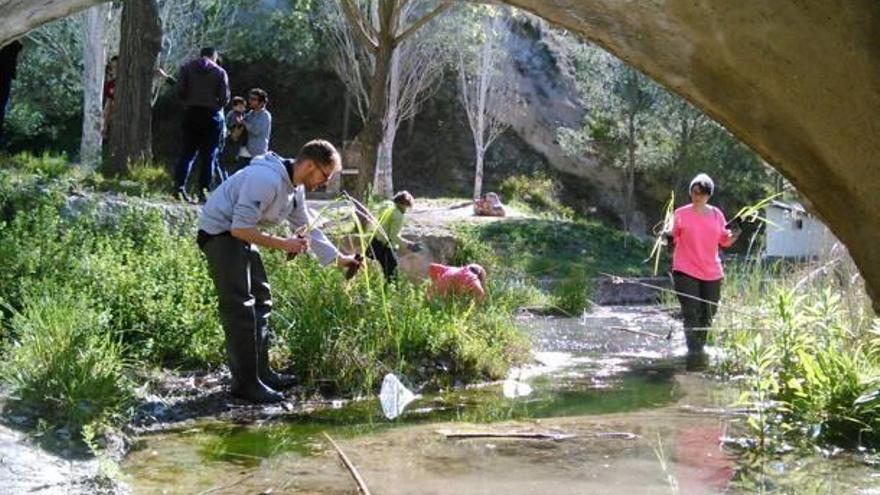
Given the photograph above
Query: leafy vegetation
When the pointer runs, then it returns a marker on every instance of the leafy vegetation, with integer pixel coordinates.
(63, 361)
(560, 256)
(806, 344)
(538, 192)
(355, 332)
(86, 288)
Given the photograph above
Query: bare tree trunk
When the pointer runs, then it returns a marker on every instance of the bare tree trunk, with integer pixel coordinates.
(383, 185)
(346, 116)
(371, 135)
(141, 39)
(630, 172)
(478, 176)
(94, 58)
(384, 181)
(485, 94)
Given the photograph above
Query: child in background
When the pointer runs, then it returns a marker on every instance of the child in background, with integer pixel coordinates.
(452, 280)
(387, 239)
(236, 134)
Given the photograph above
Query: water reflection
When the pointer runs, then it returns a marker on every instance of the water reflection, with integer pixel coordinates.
(641, 424)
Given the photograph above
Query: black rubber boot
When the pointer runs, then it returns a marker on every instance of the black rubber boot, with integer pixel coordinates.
(243, 359)
(277, 381)
(695, 339)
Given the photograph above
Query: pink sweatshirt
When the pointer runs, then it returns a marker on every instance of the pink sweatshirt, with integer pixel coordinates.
(454, 280)
(697, 237)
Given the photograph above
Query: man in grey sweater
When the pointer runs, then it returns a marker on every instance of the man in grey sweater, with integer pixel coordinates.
(258, 123)
(203, 86)
(270, 190)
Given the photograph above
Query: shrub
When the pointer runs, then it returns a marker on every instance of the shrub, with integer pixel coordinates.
(151, 281)
(571, 294)
(63, 362)
(356, 331)
(45, 166)
(805, 350)
(537, 191)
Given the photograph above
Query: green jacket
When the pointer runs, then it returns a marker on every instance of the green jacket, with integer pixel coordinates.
(391, 220)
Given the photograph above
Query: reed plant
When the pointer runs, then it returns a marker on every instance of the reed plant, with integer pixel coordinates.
(62, 363)
(353, 332)
(804, 339)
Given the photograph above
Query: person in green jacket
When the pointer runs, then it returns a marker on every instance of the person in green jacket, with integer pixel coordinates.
(387, 239)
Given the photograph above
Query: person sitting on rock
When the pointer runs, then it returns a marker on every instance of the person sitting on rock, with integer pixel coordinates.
(489, 205)
(468, 280)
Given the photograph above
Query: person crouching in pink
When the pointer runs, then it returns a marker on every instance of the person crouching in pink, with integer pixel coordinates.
(453, 280)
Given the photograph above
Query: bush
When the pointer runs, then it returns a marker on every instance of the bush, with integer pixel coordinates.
(63, 362)
(805, 350)
(537, 191)
(153, 286)
(45, 166)
(356, 331)
(151, 281)
(571, 294)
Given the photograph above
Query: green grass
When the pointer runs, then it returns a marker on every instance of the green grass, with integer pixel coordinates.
(354, 332)
(143, 296)
(562, 256)
(804, 338)
(63, 363)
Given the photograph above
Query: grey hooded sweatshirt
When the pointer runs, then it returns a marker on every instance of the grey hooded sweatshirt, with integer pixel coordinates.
(262, 194)
(202, 83)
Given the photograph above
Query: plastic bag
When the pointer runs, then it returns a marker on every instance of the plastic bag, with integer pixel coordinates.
(515, 388)
(394, 396)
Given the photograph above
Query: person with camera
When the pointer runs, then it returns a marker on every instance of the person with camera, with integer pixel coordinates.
(257, 123)
(698, 231)
(266, 192)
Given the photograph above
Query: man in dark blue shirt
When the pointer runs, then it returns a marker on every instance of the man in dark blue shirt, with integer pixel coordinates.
(204, 88)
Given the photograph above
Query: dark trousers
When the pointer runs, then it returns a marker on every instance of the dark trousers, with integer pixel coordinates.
(383, 253)
(5, 89)
(201, 132)
(698, 300)
(245, 304)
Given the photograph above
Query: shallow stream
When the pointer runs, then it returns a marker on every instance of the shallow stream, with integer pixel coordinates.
(626, 415)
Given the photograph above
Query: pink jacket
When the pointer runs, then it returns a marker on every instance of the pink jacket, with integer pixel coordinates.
(697, 238)
(447, 280)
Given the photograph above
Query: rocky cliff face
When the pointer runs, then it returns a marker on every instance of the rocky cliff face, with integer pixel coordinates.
(546, 80)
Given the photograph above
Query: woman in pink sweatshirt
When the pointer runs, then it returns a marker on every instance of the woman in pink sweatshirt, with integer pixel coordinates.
(697, 233)
(452, 280)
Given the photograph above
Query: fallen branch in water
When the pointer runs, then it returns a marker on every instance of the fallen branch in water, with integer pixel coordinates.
(639, 332)
(224, 487)
(362, 486)
(510, 434)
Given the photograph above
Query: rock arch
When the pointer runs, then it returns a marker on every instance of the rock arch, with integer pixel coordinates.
(799, 82)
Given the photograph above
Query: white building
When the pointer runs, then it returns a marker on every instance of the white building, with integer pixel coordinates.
(793, 233)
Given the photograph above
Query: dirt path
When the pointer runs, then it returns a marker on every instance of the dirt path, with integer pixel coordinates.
(436, 215)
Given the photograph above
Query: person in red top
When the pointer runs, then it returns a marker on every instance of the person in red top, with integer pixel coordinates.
(698, 231)
(453, 280)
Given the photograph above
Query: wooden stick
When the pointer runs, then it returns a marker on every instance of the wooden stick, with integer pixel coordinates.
(638, 332)
(514, 434)
(362, 486)
(223, 487)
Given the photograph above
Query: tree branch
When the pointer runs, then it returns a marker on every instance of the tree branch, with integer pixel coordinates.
(415, 26)
(364, 32)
